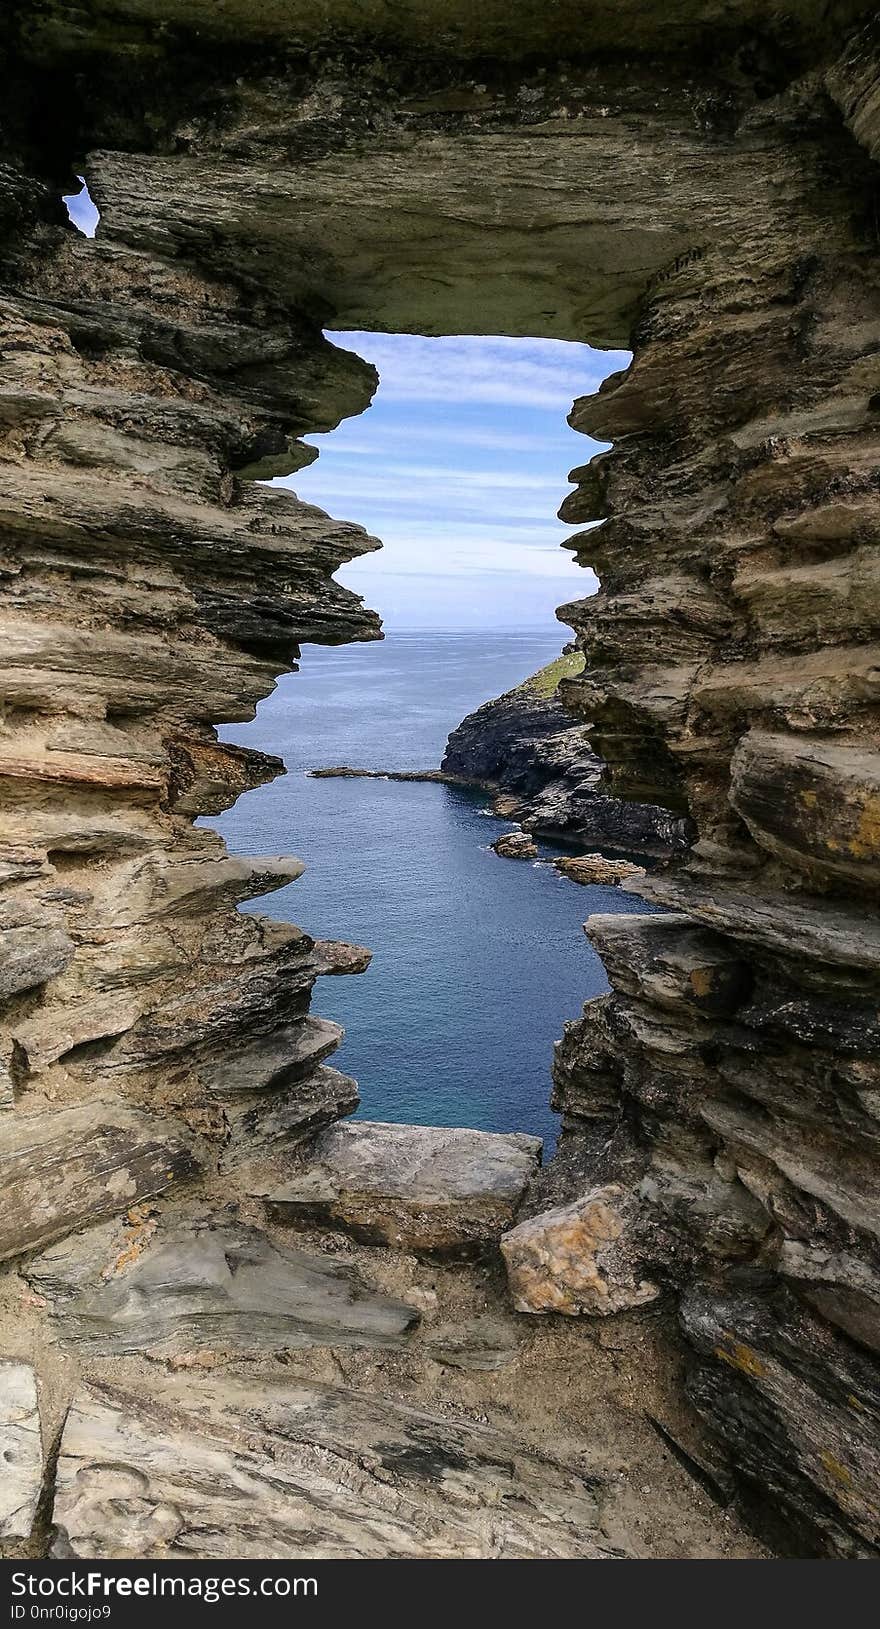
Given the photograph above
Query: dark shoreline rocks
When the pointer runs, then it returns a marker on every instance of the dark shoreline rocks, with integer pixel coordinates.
(346, 772)
(525, 746)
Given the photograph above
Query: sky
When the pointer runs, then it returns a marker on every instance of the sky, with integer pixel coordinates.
(459, 466)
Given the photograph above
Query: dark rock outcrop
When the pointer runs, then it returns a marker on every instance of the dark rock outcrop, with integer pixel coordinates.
(525, 744)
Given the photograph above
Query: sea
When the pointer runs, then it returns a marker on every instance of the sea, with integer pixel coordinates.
(477, 961)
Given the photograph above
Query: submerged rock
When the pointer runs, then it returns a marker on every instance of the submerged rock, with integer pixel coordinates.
(578, 1258)
(422, 1188)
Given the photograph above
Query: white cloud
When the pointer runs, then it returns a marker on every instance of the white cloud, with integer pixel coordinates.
(440, 546)
(539, 373)
(501, 441)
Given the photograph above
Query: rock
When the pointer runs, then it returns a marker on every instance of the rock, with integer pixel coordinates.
(578, 1258)
(814, 803)
(484, 1342)
(336, 956)
(195, 1284)
(589, 869)
(278, 1059)
(526, 748)
(505, 805)
(637, 173)
(587, 1069)
(671, 962)
(21, 1449)
(34, 946)
(796, 1407)
(345, 772)
(838, 1284)
(421, 1188)
(217, 1467)
(65, 1167)
(515, 845)
(268, 1126)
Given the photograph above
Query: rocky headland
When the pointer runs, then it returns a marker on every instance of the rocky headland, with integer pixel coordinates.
(527, 751)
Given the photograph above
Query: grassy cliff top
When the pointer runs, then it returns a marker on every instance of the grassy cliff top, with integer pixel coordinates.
(547, 679)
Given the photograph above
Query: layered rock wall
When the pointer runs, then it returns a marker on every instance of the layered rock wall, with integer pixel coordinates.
(731, 668)
(714, 208)
(151, 593)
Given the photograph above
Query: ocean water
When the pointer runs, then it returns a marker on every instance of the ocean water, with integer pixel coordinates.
(478, 961)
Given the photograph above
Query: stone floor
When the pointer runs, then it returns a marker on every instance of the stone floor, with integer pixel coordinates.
(231, 1388)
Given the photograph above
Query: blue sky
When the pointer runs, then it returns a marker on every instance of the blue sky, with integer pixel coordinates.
(459, 466)
(81, 210)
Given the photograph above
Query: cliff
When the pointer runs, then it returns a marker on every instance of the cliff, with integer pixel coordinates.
(524, 743)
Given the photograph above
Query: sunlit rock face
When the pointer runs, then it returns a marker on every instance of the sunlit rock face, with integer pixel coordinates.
(712, 209)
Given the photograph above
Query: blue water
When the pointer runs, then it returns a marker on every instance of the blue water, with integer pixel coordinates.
(477, 961)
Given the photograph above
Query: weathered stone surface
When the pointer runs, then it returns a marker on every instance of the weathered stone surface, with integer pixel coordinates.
(814, 803)
(801, 1404)
(34, 946)
(199, 1284)
(592, 869)
(275, 1060)
(64, 1167)
(839, 1284)
(698, 186)
(414, 1187)
(276, 1121)
(485, 1342)
(515, 845)
(222, 1468)
(668, 961)
(578, 1258)
(21, 1449)
(338, 957)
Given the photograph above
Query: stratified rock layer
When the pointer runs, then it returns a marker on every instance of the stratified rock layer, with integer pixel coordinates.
(700, 187)
(21, 1452)
(206, 1470)
(194, 1285)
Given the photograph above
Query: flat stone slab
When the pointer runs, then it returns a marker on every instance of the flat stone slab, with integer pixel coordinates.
(220, 1467)
(266, 1126)
(194, 1285)
(272, 1061)
(21, 1450)
(422, 1188)
(63, 1168)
